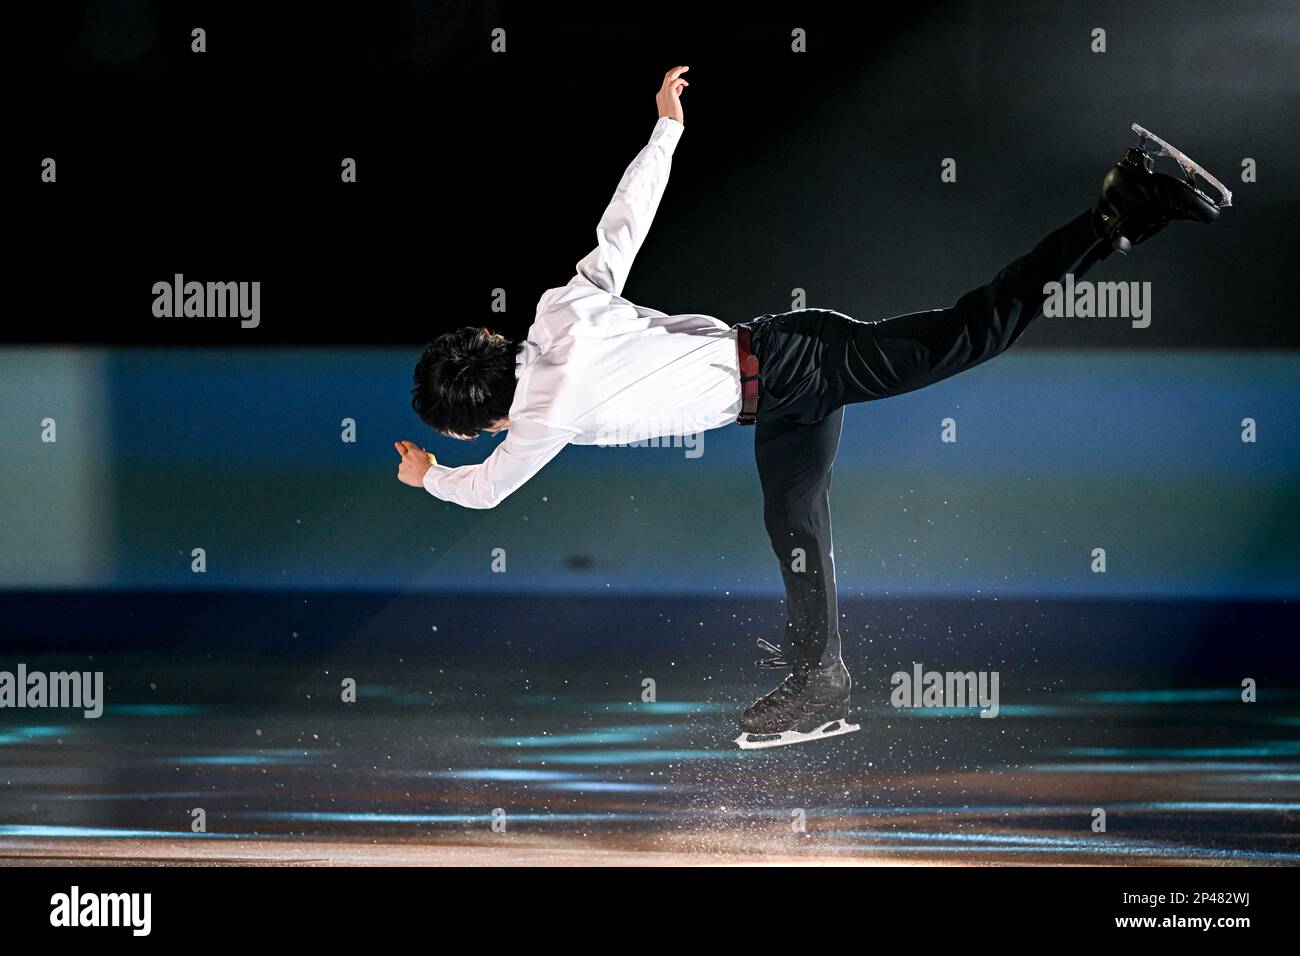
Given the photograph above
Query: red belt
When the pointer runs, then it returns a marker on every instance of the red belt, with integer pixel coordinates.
(749, 385)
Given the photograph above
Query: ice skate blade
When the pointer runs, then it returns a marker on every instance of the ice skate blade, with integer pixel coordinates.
(763, 741)
(1191, 169)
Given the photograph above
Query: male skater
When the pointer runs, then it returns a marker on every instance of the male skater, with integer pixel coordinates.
(597, 369)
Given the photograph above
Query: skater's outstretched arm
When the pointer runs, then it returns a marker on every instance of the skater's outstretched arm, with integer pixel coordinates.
(627, 219)
(526, 449)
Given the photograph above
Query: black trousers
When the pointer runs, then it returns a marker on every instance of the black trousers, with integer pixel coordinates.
(813, 362)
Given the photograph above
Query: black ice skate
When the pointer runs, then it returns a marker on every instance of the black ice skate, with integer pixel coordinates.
(812, 703)
(1137, 202)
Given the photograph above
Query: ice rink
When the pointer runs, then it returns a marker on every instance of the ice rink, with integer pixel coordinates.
(538, 759)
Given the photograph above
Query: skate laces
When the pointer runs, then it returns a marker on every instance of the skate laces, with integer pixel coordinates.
(787, 691)
(776, 660)
(788, 688)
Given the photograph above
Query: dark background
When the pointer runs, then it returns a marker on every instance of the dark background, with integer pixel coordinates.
(480, 171)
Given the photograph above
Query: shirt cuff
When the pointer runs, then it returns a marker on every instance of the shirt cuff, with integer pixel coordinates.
(666, 133)
(431, 479)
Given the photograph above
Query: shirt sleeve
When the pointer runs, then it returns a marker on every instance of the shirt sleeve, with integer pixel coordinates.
(526, 448)
(627, 218)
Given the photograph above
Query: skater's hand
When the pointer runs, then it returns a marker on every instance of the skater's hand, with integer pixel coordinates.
(415, 462)
(669, 96)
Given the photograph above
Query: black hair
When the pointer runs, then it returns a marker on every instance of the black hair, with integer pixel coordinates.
(465, 381)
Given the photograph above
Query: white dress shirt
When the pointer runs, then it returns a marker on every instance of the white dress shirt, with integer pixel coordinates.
(599, 370)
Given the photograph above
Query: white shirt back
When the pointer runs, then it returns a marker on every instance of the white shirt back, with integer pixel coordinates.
(597, 369)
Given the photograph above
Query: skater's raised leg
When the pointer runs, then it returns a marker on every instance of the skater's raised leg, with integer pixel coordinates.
(872, 360)
(820, 359)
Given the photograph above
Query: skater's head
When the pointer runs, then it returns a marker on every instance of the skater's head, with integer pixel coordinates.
(465, 382)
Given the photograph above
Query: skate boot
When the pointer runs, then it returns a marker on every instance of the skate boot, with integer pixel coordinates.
(812, 703)
(1137, 202)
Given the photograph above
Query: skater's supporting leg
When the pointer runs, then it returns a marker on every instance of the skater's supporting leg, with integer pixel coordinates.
(794, 465)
